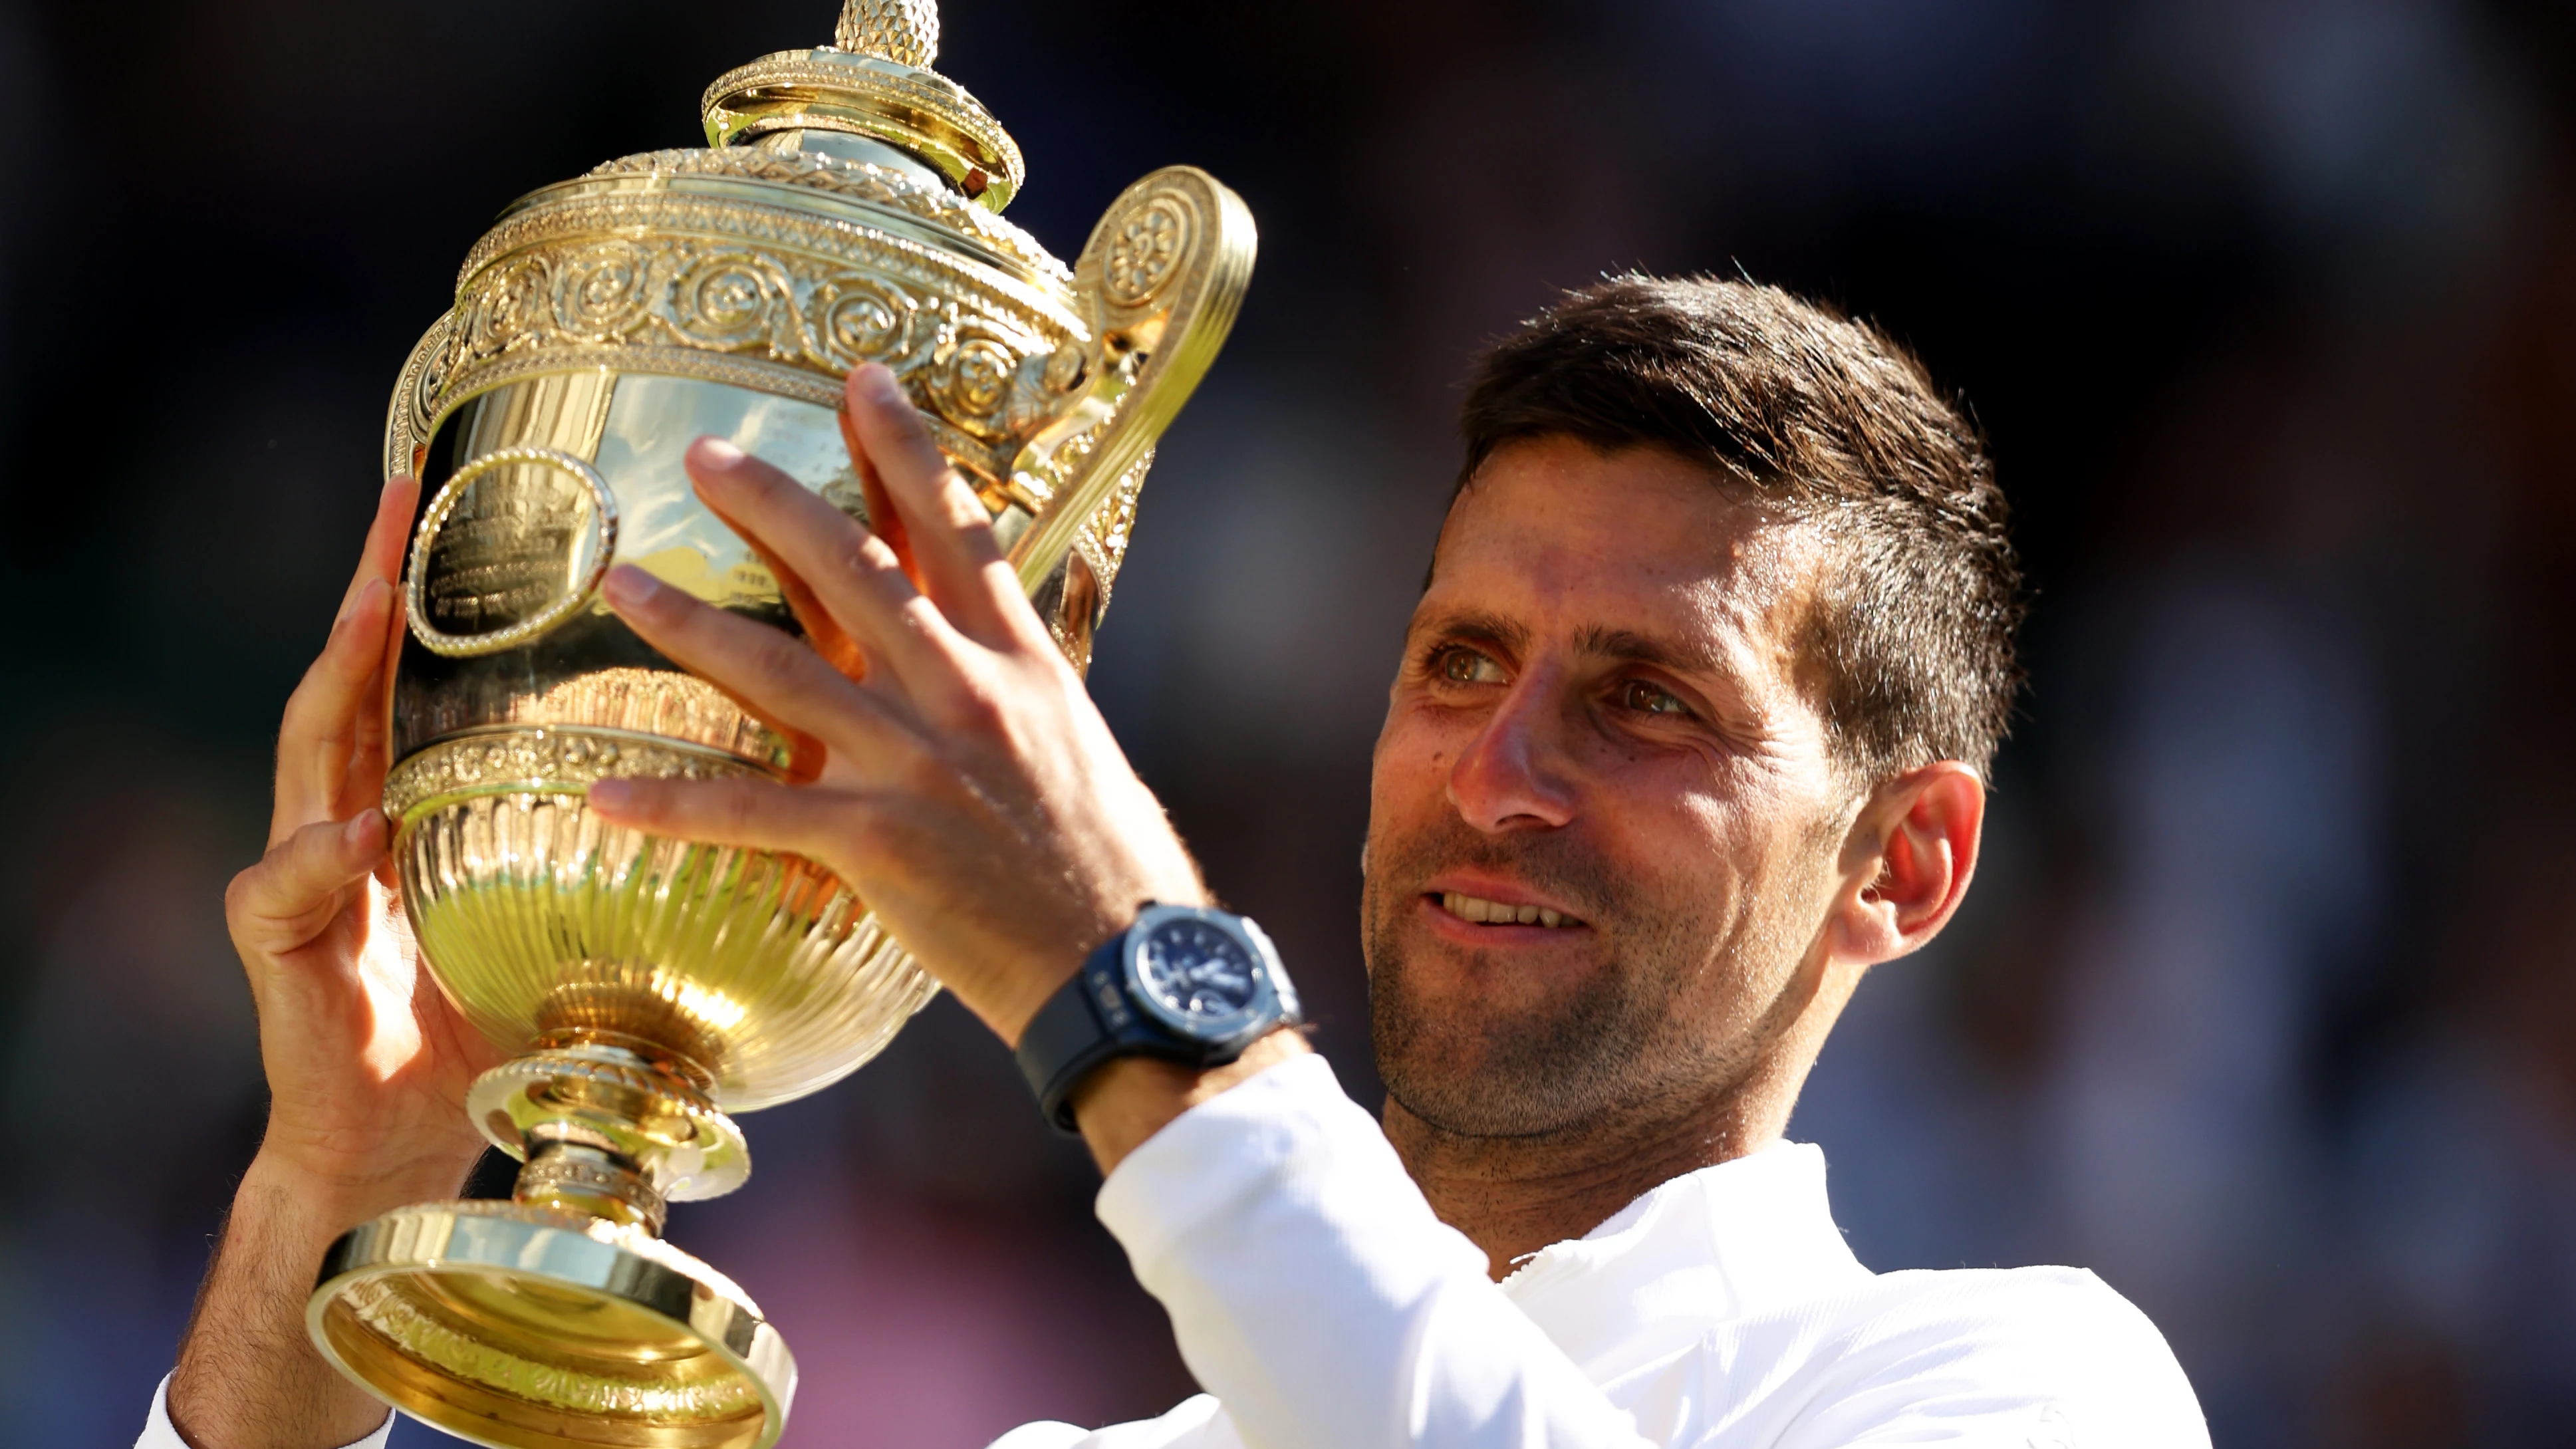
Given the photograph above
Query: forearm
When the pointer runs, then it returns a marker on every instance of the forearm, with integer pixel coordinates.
(1315, 1294)
(248, 1377)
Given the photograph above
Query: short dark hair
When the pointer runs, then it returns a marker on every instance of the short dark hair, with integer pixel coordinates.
(1825, 419)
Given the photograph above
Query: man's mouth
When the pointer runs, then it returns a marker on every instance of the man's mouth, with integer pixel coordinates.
(1482, 912)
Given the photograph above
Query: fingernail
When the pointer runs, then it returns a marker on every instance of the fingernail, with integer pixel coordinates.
(355, 832)
(716, 452)
(629, 587)
(877, 384)
(612, 795)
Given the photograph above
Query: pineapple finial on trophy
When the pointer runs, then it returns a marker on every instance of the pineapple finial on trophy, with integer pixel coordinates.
(903, 31)
(874, 81)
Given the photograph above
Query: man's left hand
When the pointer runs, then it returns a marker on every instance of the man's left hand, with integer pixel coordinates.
(969, 790)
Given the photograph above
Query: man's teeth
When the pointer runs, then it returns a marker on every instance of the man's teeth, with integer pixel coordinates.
(1495, 913)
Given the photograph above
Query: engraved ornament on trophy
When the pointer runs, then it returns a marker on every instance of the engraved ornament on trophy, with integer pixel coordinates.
(847, 210)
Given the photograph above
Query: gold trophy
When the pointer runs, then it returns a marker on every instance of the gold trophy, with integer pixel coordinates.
(847, 210)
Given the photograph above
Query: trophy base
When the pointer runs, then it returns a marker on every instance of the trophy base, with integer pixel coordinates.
(526, 1327)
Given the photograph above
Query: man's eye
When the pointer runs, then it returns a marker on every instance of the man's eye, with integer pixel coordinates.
(1466, 666)
(1646, 698)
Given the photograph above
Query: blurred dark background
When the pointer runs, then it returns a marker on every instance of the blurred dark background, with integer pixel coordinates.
(2264, 1007)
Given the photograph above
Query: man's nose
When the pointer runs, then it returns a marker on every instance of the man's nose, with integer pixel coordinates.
(1512, 774)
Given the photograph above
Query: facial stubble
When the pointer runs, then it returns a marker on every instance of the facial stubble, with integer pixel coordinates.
(1621, 1040)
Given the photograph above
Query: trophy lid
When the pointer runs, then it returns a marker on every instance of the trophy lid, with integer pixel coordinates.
(874, 81)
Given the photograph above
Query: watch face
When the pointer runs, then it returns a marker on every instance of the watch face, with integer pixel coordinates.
(1198, 976)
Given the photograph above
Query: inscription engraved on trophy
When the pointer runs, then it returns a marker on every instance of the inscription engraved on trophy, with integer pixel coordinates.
(511, 547)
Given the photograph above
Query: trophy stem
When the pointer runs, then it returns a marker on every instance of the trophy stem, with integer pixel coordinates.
(576, 1177)
(608, 1131)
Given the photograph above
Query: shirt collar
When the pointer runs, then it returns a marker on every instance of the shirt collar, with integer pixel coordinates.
(1720, 1243)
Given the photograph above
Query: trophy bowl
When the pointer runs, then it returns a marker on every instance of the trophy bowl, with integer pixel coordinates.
(846, 211)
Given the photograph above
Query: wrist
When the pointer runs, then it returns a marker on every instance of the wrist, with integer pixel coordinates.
(1130, 1099)
(247, 1374)
(349, 1188)
(1032, 989)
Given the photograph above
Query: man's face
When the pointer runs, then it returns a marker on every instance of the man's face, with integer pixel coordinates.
(1597, 725)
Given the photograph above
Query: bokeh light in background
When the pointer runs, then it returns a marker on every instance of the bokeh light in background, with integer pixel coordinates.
(2264, 1006)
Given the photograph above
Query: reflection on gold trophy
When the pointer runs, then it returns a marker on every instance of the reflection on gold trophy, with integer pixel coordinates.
(848, 210)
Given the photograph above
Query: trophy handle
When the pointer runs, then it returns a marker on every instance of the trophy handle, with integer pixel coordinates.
(1161, 278)
(406, 424)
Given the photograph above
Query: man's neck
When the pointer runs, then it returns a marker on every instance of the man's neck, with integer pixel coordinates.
(1512, 1196)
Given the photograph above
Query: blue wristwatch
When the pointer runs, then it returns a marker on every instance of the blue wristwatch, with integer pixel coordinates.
(1183, 983)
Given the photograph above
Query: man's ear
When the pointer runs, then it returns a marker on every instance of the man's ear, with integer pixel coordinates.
(1907, 862)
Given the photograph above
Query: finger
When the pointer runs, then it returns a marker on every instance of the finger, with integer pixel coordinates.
(285, 901)
(362, 783)
(720, 461)
(320, 757)
(387, 535)
(850, 572)
(760, 814)
(774, 673)
(362, 780)
(822, 631)
(319, 732)
(806, 754)
(882, 517)
(953, 551)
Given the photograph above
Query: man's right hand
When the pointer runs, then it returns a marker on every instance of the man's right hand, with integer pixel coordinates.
(367, 1063)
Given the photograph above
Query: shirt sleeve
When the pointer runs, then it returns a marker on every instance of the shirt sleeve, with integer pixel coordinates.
(160, 1433)
(1315, 1294)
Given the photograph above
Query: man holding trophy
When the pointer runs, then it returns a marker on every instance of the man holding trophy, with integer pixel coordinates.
(576, 812)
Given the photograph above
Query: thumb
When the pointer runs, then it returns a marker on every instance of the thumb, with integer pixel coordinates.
(297, 889)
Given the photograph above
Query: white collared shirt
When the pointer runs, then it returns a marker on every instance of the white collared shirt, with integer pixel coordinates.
(1323, 1306)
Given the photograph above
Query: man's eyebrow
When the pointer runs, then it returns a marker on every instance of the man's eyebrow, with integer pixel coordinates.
(1477, 624)
(1629, 646)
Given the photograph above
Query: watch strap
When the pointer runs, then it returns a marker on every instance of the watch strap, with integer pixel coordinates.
(1069, 1037)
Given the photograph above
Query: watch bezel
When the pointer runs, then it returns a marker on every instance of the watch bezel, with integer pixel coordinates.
(1262, 1009)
